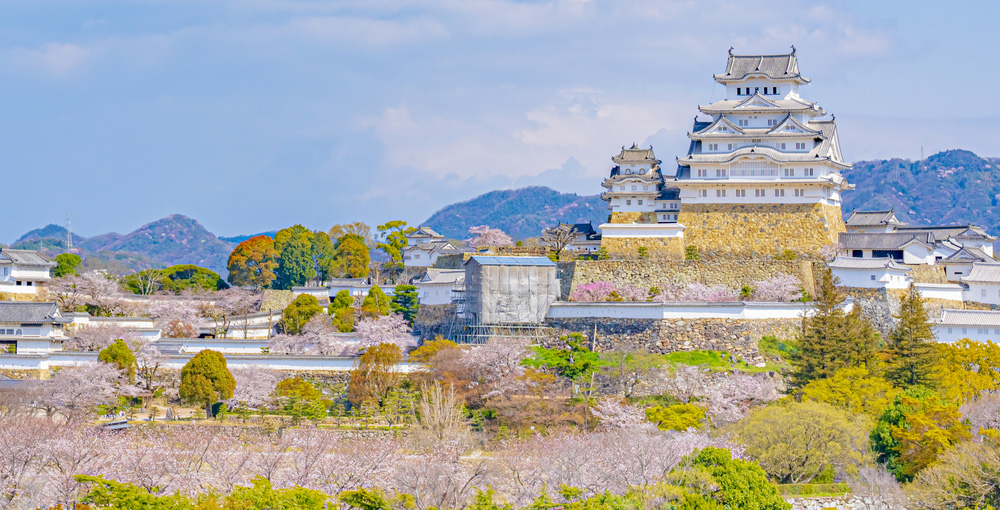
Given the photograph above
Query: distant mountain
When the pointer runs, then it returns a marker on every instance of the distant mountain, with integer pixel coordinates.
(522, 213)
(50, 231)
(175, 239)
(951, 187)
(239, 239)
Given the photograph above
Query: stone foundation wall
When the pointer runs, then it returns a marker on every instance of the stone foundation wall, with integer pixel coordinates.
(923, 273)
(659, 248)
(760, 230)
(843, 503)
(633, 217)
(23, 374)
(736, 336)
(433, 320)
(731, 273)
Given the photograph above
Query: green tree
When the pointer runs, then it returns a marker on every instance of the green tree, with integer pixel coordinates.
(295, 316)
(430, 348)
(119, 355)
(734, 483)
(677, 417)
(300, 398)
(253, 263)
(342, 310)
(911, 352)
(854, 390)
(353, 259)
(340, 301)
(797, 442)
(374, 374)
(393, 239)
(262, 496)
(66, 264)
(831, 339)
(324, 255)
(205, 380)
(405, 302)
(914, 430)
(295, 257)
(574, 361)
(376, 302)
(179, 278)
(112, 495)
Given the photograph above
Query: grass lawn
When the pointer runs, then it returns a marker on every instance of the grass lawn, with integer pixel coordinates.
(714, 361)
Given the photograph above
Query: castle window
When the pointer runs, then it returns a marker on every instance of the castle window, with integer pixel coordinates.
(628, 202)
(640, 202)
(781, 146)
(720, 172)
(772, 122)
(774, 90)
(642, 171)
(634, 187)
(809, 171)
(703, 193)
(739, 91)
(741, 193)
(730, 146)
(758, 193)
(800, 192)
(702, 172)
(621, 188)
(713, 146)
(779, 192)
(743, 122)
(720, 193)
(873, 277)
(800, 146)
(789, 172)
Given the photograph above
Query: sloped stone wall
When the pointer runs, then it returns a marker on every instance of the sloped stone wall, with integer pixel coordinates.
(659, 248)
(736, 336)
(760, 230)
(731, 273)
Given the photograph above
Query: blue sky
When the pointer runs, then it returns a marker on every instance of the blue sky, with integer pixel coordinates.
(250, 115)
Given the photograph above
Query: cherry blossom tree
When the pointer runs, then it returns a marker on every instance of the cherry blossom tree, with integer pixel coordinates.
(983, 412)
(614, 413)
(779, 288)
(485, 237)
(74, 392)
(320, 333)
(95, 338)
(497, 366)
(69, 292)
(601, 291)
(730, 397)
(253, 387)
(102, 291)
(386, 329)
(176, 318)
(698, 292)
(232, 306)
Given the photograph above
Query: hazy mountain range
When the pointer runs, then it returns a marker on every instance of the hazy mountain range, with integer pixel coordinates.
(950, 187)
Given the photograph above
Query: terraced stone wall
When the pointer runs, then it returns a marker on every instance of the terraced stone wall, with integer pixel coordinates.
(731, 273)
(659, 248)
(760, 230)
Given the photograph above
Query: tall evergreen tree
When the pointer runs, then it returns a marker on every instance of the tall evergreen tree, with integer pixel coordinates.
(912, 352)
(823, 345)
(295, 257)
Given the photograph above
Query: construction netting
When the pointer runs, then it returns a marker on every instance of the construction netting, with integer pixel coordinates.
(509, 290)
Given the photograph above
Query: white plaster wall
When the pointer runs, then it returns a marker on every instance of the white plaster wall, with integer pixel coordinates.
(982, 293)
(952, 292)
(953, 333)
(735, 310)
(863, 278)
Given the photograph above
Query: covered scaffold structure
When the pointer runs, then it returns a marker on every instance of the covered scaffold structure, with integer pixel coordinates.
(504, 297)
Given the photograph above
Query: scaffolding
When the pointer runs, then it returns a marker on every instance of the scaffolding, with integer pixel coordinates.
(504, 297)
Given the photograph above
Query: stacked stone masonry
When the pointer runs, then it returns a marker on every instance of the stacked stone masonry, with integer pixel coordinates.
(760, 230)
(736, 336)
(731, 273)
(669, 248)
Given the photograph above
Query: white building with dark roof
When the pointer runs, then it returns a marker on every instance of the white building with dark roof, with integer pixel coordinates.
(982, 283)
(424, 246)
(873, 221)
(23, 271)
(31, 328)
(881, 273)
(439, 286)
(764, 144)
(975, 325)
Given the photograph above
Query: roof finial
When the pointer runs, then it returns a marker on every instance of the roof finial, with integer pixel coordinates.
(730, 51)
(793, 49)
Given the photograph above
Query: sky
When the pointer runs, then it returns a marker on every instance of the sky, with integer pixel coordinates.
(252, 115)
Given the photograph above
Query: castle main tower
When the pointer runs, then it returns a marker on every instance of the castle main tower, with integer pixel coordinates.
(763, 175)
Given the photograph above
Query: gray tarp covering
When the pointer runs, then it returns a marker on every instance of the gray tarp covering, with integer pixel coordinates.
(510, 290)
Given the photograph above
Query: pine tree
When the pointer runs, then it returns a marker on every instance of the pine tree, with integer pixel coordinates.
(912, 352)
(823, 342)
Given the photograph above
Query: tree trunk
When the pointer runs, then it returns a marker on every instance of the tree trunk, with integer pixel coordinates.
(208, 410)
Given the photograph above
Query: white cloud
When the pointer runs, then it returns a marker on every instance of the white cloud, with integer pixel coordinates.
(55, 59)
